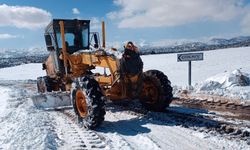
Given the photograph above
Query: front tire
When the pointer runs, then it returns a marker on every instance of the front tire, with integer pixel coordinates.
(156, 93)
(88, 102)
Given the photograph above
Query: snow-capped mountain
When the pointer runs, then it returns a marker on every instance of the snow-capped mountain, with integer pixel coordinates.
(185, 46)
(15, 53)
(13, 57)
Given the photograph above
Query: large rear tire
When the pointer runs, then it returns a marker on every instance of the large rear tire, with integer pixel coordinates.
(156, 93)
(88, 102)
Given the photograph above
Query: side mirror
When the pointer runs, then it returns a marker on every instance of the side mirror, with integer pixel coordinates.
(96, 45)
(48, 42)
(95, 40)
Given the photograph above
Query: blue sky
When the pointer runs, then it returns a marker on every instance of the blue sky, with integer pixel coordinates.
(22, 22)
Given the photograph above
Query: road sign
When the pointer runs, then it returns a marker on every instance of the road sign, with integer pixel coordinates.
(190, 57)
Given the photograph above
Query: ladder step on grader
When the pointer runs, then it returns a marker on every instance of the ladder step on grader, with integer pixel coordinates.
(73, 77)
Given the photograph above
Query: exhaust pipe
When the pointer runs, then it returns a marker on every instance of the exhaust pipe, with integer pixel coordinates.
(64, 50)
(103, 35)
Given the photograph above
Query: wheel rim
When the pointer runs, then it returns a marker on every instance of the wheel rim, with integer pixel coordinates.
(150, 92)
(81, 103)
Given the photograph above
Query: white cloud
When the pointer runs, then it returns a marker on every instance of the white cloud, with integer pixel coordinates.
(75, 11)
(245, 23)
(162, 13)
(23, 16)
(95, 23)
(8, 36)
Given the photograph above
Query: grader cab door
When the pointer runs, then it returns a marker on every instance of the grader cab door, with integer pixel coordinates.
(52, 65)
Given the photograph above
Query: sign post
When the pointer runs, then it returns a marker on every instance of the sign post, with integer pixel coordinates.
(189, 73)
(189, 57)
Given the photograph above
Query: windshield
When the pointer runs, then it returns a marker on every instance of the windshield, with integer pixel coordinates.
(74, 39)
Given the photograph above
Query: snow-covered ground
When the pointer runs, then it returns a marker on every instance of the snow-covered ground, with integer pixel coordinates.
(22, 72)
(217, 64)
(4, 96)
(235, 84)
(216, 74)
(22, 126)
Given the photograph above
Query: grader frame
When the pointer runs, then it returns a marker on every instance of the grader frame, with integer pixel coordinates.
(69, 69)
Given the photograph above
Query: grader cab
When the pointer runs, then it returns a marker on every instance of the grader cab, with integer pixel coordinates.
(73, 68)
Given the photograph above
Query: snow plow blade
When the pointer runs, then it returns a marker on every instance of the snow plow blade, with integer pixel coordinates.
(52, 100)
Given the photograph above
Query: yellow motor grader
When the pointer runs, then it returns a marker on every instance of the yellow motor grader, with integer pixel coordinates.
(89, 74)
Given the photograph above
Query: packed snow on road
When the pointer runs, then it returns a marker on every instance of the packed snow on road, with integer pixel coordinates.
(224, 72)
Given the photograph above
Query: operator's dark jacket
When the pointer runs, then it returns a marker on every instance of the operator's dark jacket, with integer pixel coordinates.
(131, 62)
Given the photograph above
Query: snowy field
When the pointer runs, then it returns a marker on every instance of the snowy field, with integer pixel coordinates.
(22, 72)
(217, 74)
(215, 62)
(22, 126)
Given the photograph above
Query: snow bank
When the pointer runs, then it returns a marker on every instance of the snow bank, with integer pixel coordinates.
(22, 72)
(215, 62)
(232, 84)
(3, 99)
(22, 126)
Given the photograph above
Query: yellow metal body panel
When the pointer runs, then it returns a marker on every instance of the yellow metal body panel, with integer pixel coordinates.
(113, 86)
(50, 67)
(78, 65)
(81, 62)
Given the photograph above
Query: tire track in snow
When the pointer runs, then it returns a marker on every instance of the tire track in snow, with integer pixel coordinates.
(23, 126)
(26, 127)
(113, 141)
(74, 136)
(195, 122)
(140, 134)
(157, 130)
(117, 130)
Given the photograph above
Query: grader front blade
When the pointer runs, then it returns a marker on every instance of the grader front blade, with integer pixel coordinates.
(52, 100)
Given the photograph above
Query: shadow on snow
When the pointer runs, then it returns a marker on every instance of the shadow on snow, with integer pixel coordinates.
(173, 116)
